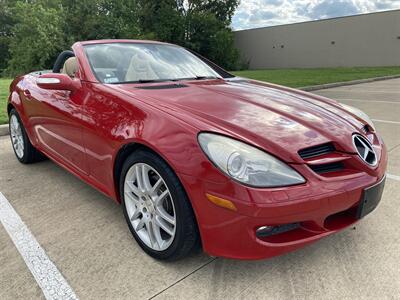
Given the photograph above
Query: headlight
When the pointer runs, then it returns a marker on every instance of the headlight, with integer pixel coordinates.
(247, 164)
(359, 113)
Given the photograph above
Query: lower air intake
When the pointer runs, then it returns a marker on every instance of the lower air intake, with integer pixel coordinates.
(327, 168)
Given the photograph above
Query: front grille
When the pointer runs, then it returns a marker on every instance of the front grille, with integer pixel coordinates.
(317, 150)
(327, 168)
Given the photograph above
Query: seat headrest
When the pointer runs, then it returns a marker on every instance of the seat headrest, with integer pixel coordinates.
(140, 69)
(70, 67)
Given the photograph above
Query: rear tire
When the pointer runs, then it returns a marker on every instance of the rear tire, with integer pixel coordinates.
(25, 152)
(147, 216)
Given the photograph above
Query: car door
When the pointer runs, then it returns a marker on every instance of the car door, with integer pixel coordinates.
(55, 117)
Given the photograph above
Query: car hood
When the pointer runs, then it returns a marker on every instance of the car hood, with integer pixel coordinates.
(278, 119)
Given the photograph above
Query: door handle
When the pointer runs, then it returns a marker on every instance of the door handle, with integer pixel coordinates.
(27, 94)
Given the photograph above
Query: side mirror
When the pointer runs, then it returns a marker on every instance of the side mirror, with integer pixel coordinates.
(57, 81)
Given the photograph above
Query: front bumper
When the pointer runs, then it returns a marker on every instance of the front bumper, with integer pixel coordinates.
(321, 207)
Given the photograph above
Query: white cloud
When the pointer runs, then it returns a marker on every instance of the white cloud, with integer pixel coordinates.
(260, 13)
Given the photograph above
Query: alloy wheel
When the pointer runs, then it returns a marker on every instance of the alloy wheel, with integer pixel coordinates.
(150, 206)
(17, 138)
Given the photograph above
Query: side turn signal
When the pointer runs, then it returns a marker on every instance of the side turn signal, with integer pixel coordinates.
(221, 202)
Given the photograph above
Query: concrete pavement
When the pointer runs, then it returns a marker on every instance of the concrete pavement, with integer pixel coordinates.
(85, 235)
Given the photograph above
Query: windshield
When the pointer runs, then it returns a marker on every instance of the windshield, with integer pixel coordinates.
(141, 62)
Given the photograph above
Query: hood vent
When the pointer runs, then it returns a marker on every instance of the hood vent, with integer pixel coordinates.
(162, 87)
(317, 150)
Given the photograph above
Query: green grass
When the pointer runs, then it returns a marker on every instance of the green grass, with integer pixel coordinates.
(288, 77)
(308, 77)
(4, 86)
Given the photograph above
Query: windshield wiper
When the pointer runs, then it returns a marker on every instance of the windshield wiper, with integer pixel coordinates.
(174, 79)
(205, 77)
(195, 78)
(143, 81)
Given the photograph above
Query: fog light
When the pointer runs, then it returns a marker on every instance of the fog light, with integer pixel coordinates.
(265, 231)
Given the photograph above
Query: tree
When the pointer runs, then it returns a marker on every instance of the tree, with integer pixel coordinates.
(37, 36)
(100, 19)
(161, 20)
(33, 32)
(201, 25)
(39, 29)
(222, 10)
(6, 25)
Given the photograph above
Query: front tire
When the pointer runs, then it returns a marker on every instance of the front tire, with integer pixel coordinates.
(25, 152)
(156, 207)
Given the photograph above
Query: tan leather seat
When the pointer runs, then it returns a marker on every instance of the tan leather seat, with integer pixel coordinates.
(70, 67)
(140, 69)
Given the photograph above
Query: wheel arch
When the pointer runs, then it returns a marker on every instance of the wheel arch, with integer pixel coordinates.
(10, 106)
(119, 160)
(123, 154)
(16, 103)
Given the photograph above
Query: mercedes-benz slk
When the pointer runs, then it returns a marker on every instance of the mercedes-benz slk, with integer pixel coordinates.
(196, 156)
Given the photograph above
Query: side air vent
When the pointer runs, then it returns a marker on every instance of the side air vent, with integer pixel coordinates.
(327, 168)
(317, 150)
(162, 87)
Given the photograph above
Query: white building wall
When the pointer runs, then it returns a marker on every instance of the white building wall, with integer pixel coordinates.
(363, 40)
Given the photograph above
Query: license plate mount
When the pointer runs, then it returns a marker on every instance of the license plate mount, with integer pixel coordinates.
(370, 198)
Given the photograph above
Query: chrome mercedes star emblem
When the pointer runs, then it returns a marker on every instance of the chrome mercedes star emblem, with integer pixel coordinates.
(365, 150)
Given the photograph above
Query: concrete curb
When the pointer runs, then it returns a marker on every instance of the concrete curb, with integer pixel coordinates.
(4, 129)
(345, 83)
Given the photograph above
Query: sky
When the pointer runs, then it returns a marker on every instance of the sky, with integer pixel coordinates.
(261, 13)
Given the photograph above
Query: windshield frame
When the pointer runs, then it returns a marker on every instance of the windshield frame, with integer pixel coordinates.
(217, 69)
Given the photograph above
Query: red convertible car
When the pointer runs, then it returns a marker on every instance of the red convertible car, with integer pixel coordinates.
(196, 156)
